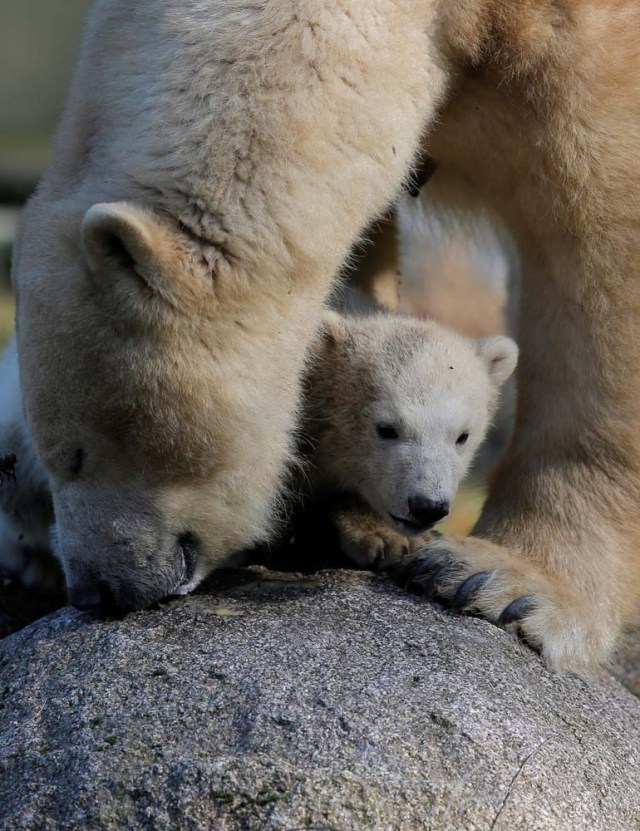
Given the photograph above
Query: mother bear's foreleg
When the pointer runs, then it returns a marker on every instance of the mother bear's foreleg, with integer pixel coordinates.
(546, 123)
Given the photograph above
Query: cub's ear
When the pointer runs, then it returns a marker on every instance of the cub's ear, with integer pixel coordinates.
(334, 328)
(500, 355)
(136, 257)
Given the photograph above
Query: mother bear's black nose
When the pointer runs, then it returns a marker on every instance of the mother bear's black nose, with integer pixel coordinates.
(426, 512)
(91, 596)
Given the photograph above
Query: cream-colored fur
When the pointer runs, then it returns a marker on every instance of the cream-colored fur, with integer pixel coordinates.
(172, 267)
(255, 142)
(539, 122)
(395, 411)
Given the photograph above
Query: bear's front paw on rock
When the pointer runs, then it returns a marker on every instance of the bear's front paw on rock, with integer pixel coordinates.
(475, 576)
(368, 542)
(375, 550)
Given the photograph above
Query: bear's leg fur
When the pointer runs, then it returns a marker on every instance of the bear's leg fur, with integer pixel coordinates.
(551, 100)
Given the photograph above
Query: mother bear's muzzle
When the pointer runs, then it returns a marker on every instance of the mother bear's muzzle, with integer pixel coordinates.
(119, 558)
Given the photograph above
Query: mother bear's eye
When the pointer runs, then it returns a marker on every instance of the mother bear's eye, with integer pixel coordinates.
(462, 439)
(387, 431)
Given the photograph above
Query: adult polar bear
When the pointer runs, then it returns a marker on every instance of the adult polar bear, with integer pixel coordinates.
(215, 161)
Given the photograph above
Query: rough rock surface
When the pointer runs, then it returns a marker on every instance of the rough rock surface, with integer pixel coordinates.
(333, 702)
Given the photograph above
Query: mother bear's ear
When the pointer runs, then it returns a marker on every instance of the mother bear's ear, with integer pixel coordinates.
(140, 261)
(500, 355)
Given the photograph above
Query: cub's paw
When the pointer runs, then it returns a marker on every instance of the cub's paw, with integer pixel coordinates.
(375, 549)
(367, 541)
(478, 577)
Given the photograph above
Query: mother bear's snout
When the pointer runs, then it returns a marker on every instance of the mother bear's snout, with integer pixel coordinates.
(112, 592)
(120, 550)
(112, 596)
(91, 596)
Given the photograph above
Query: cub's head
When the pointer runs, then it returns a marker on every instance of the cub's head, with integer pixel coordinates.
(160, 385)
(406, 404)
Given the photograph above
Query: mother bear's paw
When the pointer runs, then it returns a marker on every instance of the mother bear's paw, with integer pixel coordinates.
(473, 575)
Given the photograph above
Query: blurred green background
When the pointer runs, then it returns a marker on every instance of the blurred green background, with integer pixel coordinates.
(38, 44)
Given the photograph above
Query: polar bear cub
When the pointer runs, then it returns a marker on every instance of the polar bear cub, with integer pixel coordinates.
(396, 408)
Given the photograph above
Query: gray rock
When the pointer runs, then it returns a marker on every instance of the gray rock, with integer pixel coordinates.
(334, 702)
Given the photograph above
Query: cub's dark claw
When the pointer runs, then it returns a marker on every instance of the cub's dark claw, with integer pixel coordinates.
(516, 610)
(469, 590)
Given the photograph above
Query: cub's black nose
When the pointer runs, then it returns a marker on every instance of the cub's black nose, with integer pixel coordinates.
(426, 512)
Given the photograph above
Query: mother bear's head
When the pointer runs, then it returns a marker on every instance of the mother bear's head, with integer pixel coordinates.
(160, 388)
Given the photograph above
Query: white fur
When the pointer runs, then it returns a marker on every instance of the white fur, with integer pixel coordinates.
(426, 381)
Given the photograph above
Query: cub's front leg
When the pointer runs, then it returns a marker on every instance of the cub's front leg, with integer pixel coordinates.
(368, 541)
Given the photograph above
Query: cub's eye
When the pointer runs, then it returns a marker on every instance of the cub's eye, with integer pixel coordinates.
(387, 431)
(462, 439)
